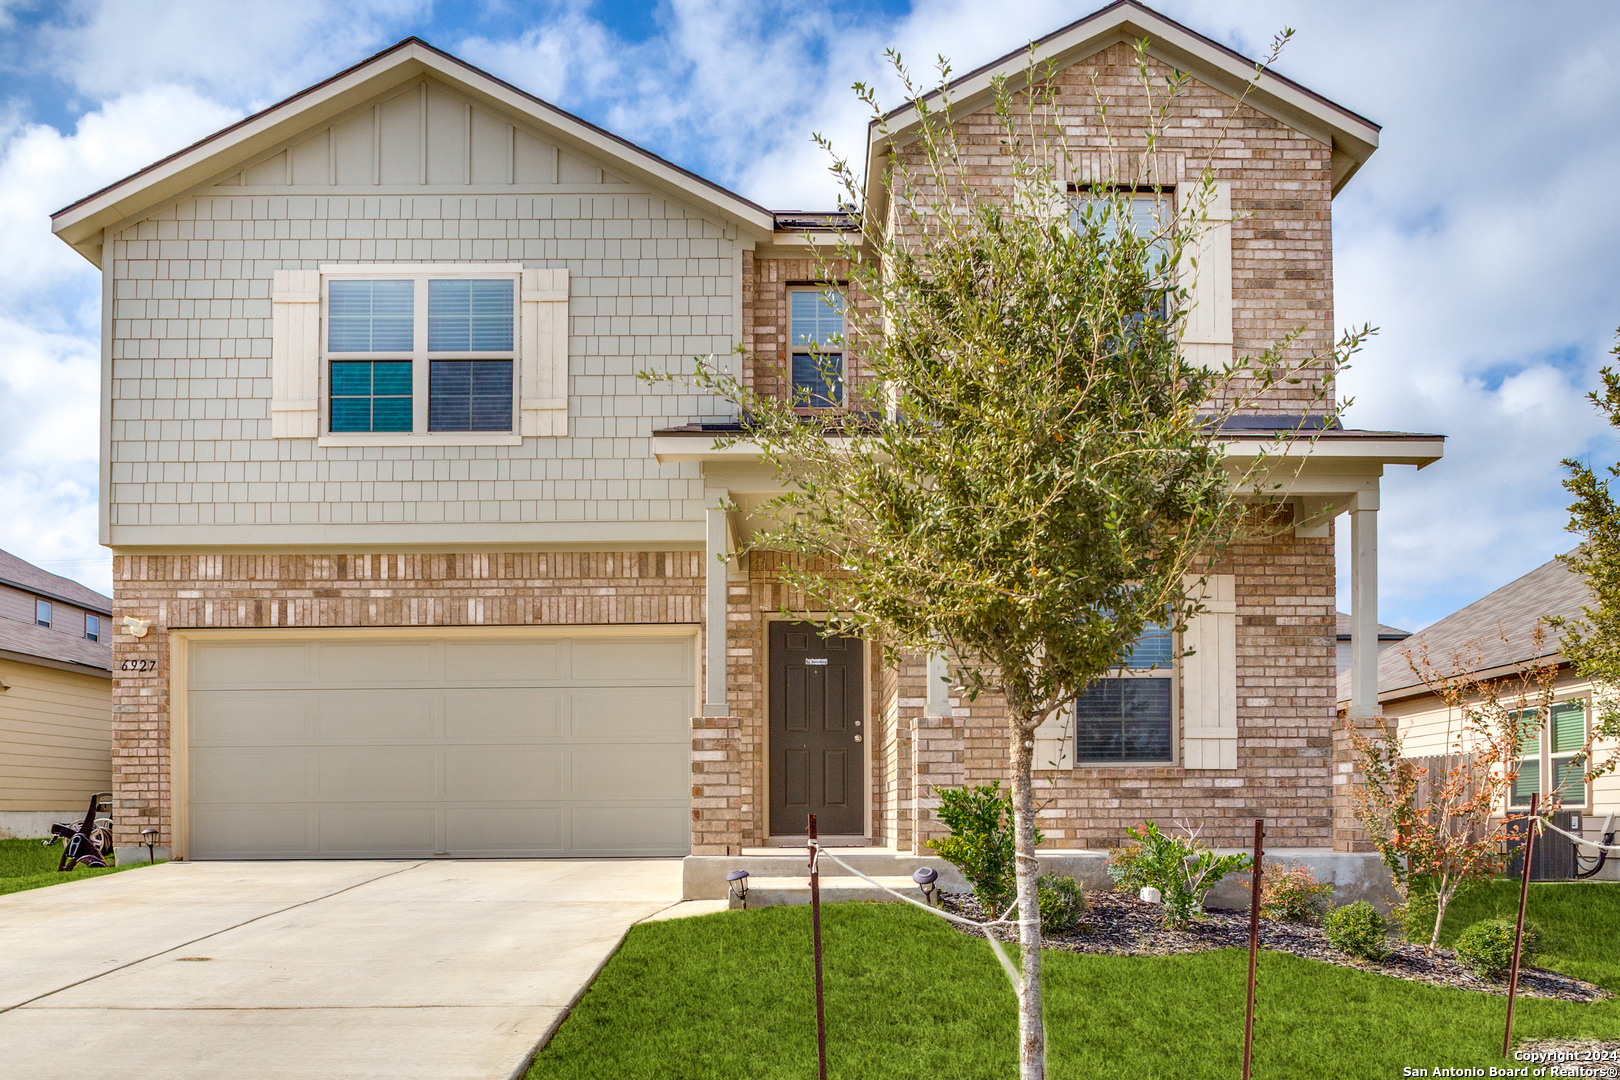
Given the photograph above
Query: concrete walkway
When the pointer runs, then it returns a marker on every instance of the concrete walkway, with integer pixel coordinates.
(317, 970)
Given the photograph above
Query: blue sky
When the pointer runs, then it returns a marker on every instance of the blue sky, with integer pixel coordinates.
(1480, 238)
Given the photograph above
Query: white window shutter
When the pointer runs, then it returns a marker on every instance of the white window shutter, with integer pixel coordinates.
(543, 354)
(1207, 335)
(1209, 680)
(295, 354)
(1054, 741)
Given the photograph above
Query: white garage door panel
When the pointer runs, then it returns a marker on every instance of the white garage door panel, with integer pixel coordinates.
(407, 748)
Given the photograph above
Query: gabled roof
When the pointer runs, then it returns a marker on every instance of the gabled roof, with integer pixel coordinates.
(1353, 137)
(81, 223)
(30, 578)
(1494, 634)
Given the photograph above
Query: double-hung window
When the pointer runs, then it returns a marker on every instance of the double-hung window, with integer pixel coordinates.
(1130, 715)
(426, 354)
(1151, 214)
(92, 628)
(816, 334)
(1548, 747)
(42, 612)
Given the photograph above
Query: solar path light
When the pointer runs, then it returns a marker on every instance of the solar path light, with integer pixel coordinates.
(150, 836)
(925, 876)
(737, 886)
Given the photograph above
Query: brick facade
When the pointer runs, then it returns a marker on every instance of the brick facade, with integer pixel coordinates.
(369, 590)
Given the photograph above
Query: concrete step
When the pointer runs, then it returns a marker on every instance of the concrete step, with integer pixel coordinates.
(787, 891)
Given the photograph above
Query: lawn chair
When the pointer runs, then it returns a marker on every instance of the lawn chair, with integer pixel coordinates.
(89, 841)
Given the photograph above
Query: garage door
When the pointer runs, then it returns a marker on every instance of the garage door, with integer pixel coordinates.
(415, 746)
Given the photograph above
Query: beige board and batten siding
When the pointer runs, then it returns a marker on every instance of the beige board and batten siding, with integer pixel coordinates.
(55, 738)
(413, 744)
(651, 282)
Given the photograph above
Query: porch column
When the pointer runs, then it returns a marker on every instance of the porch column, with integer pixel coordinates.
(714, 608)
(1364, 605)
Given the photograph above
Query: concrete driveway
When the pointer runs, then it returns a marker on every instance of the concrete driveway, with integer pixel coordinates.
(319, 970)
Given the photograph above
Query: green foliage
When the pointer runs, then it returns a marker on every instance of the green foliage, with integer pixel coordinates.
(1486, 948)
(1592, 642)
(1579, 923)
(981, 842)
(28, 864)
(1183, 869)
(1062, 903)
(1357, 929)
(1292, 893)
(732, 994)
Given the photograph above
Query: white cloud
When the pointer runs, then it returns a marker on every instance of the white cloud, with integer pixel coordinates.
(234, 52)
(50, 318)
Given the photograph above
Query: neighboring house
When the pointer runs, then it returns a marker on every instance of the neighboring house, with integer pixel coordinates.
(1387, 636)
(430, 571)
(1497, 636)
(55, 697)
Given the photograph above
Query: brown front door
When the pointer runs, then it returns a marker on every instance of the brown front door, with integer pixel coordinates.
(816, 737)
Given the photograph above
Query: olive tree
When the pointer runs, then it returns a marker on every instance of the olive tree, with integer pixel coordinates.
(1029, 467)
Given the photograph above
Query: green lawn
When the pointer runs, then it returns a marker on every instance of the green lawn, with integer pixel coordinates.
(1579, 920)
(28, 864)
(730, 995)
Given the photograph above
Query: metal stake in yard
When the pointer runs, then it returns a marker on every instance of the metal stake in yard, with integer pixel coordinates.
(1518, 930)
(1254, 942)
(815, 933)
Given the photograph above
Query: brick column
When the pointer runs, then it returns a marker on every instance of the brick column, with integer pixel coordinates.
(720, 810)
(937, 756)
(1348, 835)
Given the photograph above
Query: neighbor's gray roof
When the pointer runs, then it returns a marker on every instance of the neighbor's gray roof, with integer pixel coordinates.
(1385, 633)
(25, 641)
(1493, 634)
(30, 578)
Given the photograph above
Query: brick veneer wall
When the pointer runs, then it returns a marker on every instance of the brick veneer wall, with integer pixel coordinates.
(393, 589)
(766, 329)
(1282, 238)
(1286, 723)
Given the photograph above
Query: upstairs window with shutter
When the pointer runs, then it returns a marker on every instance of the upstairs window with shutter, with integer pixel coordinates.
(415, 355)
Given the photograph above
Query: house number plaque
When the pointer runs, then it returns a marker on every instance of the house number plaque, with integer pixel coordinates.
(815, 661)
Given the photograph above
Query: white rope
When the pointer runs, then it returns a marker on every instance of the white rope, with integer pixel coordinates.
(995, 945)
(1613, 849)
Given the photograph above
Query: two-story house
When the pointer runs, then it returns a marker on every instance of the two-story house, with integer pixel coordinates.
(429, 571)
(55, 697)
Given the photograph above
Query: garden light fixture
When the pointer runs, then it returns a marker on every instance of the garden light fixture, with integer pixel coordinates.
(925, 876)
(150, 837)
(737, 886)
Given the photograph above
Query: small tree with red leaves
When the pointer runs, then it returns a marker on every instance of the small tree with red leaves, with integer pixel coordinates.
(1444, 823)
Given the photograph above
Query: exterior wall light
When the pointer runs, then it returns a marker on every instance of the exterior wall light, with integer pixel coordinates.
(737, 887)
(137, 627)
(925, 876)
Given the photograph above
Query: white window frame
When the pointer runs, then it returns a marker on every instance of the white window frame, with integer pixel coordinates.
(1545, 754)
(842, 289)
(419, 435)
(95, 634)
(1171, 672)
(50, 614)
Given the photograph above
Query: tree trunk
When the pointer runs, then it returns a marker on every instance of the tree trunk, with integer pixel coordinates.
(1442, 896)
(1031, 1031)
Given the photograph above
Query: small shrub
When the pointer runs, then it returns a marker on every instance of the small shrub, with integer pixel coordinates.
(1183, 869)
(1062, 904)
(1359, 930)
(1486, 948)
(981, 844)
(1291, 893)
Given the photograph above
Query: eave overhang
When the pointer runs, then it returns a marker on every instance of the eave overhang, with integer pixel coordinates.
(81, 224)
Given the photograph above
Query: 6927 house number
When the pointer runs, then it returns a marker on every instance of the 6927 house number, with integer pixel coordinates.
(138, 665)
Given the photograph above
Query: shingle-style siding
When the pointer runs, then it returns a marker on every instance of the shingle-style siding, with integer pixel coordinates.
(652, 285)
(367, 590)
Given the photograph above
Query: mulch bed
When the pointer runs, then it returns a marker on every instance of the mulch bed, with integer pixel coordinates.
(1122, 925)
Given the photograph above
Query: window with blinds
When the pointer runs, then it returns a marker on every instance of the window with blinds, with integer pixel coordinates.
(393, 342)
(1130, 716)
(816, 331)
(1549, 767)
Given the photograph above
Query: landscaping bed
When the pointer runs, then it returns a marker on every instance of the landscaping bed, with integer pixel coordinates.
(1121, 925)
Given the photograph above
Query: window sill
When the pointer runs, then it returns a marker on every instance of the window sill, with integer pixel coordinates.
(408, 438)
